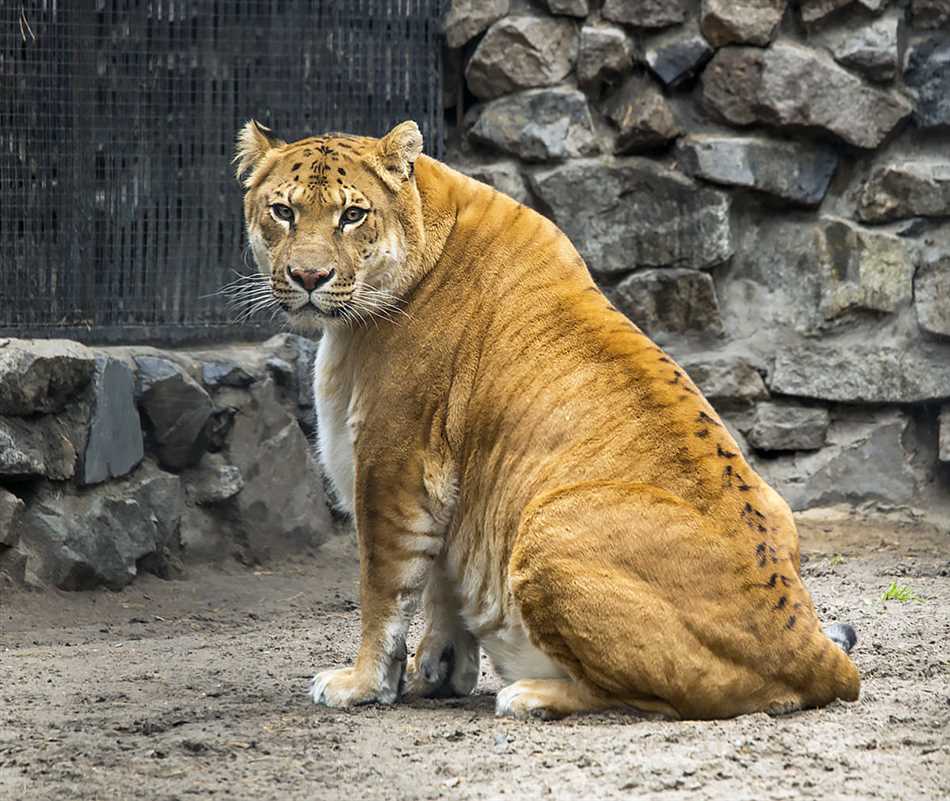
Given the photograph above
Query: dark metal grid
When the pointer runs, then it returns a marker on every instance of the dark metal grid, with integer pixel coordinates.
(119, 213)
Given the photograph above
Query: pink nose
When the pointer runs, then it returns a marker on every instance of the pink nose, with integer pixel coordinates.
(309, 279)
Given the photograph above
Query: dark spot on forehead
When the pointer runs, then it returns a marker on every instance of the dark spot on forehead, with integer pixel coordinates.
(295, 167)
(341, 171)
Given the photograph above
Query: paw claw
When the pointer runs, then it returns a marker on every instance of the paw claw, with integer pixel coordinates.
(340, 688)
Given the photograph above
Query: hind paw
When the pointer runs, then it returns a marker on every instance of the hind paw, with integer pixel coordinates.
(532, 699)
(443, 669)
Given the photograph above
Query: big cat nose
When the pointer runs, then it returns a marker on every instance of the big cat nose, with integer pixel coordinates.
(309, 279)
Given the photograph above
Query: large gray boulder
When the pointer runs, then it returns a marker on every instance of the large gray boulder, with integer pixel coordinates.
(754, 22)
(634, 213)
(605, 54)
(863, 372)
(798, 171)
(864, 460)
(725, 377)
(45, 445)
(40, 376)
(872, 47)
(465, 19)
(677, 55)
(645, 13)
(176, 410)
(784, 426)
(789, 85)
(22, 451)
(80, 539)
(115, 444)
(281, 506)
(537, 125)
(669, 303)
(861, 268)
(790, 274)
(522, 52)
(504, 176)
(906, 188)
(642, 115)
(927, 75)
(11, 508)
(932, 296)
(771, 285)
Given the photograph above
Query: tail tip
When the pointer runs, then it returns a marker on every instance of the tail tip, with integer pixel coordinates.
(843, 635)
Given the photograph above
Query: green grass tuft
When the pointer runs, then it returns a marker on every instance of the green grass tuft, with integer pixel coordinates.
(897, 592)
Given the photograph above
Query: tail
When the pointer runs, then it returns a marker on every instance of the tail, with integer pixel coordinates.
(843, 635)
(839, 677)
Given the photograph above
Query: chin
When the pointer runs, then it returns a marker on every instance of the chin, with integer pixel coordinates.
(310, 319)
(307, 320)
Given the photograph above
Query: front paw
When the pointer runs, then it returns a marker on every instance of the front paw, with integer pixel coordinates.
(345, 687)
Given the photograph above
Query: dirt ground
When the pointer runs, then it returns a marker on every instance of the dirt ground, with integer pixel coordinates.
(196, 687)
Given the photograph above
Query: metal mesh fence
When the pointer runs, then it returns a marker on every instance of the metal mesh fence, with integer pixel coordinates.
(119, 213)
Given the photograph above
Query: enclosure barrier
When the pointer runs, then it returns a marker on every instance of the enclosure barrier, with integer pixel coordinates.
(119, 213)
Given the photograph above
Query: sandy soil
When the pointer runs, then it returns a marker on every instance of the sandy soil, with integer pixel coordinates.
(195, 687)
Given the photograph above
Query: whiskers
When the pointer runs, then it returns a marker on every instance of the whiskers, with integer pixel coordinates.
(369, 302)
(248, 296)
(251, 295)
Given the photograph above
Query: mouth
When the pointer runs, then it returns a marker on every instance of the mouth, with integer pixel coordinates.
(311, 310)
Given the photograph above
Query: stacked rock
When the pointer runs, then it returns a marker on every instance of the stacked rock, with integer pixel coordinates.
(121, 460)
(764, 187)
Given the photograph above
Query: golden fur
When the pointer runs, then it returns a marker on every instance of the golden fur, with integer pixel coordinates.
(521, 458)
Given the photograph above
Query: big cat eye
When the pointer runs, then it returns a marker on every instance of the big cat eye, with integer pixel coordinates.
(282, 212)
(352, 214)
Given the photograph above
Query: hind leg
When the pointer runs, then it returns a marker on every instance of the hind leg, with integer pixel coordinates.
(635, 593)
(446, 661)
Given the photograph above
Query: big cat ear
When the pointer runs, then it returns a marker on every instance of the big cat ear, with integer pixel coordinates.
(254, 141)
(397, 151)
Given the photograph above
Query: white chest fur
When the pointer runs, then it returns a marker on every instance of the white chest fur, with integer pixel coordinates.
(336, 400)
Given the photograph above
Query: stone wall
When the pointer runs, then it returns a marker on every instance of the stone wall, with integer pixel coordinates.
(119, 460)
(764, 187)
